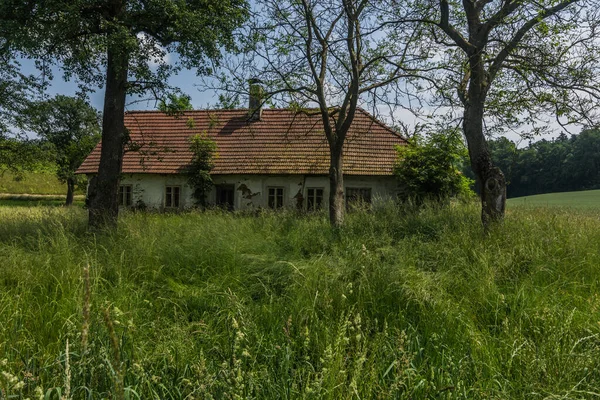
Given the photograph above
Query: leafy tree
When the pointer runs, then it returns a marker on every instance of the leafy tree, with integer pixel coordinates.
(204, 150)
(72, 127)
(324, 58)
(503, 63)
(123, 45)
(429, 167)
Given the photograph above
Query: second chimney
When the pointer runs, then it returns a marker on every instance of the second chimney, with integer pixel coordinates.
(255, 99)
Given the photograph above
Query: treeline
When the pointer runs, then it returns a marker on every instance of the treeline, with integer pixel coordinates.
(559, 165)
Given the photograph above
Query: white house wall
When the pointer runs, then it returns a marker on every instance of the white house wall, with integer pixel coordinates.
(251, 191)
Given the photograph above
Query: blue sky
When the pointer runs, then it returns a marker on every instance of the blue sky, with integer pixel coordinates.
(185, 81)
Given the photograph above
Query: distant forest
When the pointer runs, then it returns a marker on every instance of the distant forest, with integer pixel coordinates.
(562, 164)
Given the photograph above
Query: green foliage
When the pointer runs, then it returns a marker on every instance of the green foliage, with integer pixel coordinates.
(175, 104)
(429, 167)
(405, 304)
(228, 101)
(21, 156)
(78, 35)
(204, 151)
(17, 89)
(71, 126)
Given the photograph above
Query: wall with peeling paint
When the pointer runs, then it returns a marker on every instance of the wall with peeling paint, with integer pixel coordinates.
(251, 191)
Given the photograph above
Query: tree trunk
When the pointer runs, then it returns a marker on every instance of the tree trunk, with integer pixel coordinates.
(491, 179)
(336, 186)
(70, 191)
(104, 206)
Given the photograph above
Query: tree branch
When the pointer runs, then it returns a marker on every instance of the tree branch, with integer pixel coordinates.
(516, 39)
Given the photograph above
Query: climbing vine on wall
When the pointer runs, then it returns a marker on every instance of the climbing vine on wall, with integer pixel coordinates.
(204, 151)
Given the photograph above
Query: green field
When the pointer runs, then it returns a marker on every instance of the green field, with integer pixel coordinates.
(39, 183)
(401, 303)
(582, 199)
(31, 183)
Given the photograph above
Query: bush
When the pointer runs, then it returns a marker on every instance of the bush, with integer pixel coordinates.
(428, 167)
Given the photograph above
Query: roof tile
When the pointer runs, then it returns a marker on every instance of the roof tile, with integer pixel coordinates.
(282, 142)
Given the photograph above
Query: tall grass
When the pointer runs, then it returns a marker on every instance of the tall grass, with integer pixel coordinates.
(402, 303)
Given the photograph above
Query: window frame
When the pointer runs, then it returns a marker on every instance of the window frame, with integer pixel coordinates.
(225, 187)
(311, 201)
(123, 193)
(172, 197)
(360, 197)
(275, 197)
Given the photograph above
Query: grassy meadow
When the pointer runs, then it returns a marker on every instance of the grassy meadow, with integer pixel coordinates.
(581, 199)
(34, 189)
(400, 304)
(39, 182)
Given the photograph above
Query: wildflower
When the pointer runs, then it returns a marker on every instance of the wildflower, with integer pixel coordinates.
(9, 378)
(19, 385)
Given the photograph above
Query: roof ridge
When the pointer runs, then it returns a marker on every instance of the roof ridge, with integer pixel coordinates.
(215, 110)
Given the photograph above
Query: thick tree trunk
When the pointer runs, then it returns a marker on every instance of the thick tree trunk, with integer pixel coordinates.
(104, 206)
(336, 187)
(70, 192)
(490, 178)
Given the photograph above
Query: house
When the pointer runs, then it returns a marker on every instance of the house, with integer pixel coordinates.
(273, 158)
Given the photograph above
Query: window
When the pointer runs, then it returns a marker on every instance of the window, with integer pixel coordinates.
(275, 197)
(172, 196)
(225, 196)
(125, 195)
(314, 199)
(358, 196)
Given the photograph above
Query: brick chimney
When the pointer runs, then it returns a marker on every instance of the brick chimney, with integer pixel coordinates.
(255, 99)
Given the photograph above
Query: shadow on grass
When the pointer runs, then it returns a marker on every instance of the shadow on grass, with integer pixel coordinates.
(37, 203)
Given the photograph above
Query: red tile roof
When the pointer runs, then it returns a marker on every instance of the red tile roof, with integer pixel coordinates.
(282, 142)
